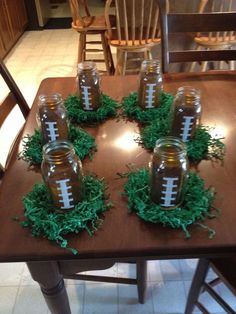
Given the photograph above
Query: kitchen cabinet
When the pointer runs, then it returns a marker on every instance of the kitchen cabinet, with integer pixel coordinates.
(12, 23)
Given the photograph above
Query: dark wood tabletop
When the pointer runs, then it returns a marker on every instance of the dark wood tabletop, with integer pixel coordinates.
(124, 235)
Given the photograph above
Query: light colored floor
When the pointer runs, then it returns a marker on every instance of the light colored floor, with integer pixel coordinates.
(168, 284)
(41, 54)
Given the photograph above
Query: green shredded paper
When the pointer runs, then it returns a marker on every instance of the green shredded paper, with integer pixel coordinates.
(78, 115)
(55, 225)
(203, 145)
(196, 205)
(132, 110)
(84, 144)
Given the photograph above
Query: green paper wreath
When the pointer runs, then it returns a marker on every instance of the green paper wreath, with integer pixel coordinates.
(55, 226)
(202, 146)
(196, 206)
(84, 144)
(78, 115)
(132, 110)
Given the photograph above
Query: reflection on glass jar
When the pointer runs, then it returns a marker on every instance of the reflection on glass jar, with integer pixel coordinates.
(169, 170)
(52, 117)
(186, 112)
(62, 174)
(150, 84)
(89, 85)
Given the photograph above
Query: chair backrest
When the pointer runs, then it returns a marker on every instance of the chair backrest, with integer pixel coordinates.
(137, 21)
(80, 12)
(13, 98)
(194, 23)
(225, 271)
(221, 38)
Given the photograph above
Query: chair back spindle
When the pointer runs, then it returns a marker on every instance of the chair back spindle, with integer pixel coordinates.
(136, 21)
(136, 28)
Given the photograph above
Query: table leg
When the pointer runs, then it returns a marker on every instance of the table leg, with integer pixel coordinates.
(52, 286)
(141, 269)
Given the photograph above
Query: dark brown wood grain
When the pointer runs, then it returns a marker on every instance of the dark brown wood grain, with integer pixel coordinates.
(124, 235)
(15, 95)
(192, 23)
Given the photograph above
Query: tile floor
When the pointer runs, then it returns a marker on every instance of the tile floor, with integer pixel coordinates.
(40, 54)
(167, 280)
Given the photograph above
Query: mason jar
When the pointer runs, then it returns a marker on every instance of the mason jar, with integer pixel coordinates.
(150, 84)
(52, 117)
(186, 113)
(62, 174)
(89, 85)
(169, 170)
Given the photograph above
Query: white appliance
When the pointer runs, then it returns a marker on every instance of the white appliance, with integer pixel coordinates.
(43, 8)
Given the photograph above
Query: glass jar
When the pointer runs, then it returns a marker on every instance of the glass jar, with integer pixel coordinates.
(52, 116)
(150, 84)
(169, 170)
(62, 174)
(89, 85)
(186, 112)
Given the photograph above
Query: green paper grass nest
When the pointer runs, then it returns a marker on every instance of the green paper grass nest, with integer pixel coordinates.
(78, 115)
(84, 144)
(132, 110)
(196, 206)
(202, 146)
(55, 226)
(157, 120)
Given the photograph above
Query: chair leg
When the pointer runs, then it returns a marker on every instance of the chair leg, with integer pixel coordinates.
(81, 48)
(141, 273)
(84, 48)
(193, 64)
(231, 65)
(52, 286)
(124, 63)
(119, 57)
(112, 67)
(197, 282)
(145, 53)
(149, 54)
(204, 66)
(105, 47)
(221, 65)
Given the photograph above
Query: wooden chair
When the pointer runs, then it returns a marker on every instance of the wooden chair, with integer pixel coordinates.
(14, 98)
(215, 40)
(225, 268)
(194, 23)
(136, 29)
(85, 24)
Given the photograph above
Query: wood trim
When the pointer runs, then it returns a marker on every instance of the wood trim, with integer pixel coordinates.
(192, 55)
(6, 107)
(206, 22)
(14, 89)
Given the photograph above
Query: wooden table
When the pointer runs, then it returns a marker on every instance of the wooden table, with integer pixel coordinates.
(123, 235)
